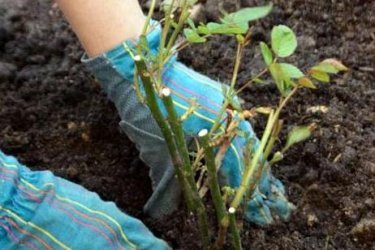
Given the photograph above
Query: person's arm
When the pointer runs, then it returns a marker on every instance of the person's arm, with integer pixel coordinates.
(102, 24)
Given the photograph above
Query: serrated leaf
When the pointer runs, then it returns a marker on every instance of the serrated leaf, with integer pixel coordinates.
(306, 82)
(193, 37)
(291, 70)
(246, 15)
(298, 134)
(319, 75)
(266, 53)
(284, 41)
(335, 63)
(238, 22)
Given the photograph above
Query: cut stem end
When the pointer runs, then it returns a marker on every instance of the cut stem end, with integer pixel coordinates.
(165, 92)
(203, 133)
(231, 210)
(137, 58)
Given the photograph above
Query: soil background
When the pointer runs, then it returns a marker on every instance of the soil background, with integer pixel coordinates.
(54, 116)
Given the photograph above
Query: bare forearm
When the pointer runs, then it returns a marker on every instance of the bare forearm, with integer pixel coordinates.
(102, 24)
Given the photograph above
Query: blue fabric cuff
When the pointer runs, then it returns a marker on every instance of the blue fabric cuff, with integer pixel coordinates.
(120, 53)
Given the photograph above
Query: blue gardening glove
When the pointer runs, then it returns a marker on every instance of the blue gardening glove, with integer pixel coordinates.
(115, 71)
(41, 211)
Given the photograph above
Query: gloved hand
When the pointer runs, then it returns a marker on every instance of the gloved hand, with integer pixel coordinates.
(115, 71)
(41, 211)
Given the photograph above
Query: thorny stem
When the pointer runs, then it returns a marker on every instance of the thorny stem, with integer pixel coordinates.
(212, 176)
(165, 129)
(236, 238)
(275, 133)
(285, 101)
(178, 133)
(217, 198)
(188, 172)
(183, 17)
(167, 24)
(250, 170)
(236, 65)
(251, 81)
(173, 131)
(224, 106)
(149, 16)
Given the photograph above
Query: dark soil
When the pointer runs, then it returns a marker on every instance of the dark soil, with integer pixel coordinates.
(54, 116)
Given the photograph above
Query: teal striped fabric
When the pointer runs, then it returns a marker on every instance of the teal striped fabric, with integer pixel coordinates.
(41, 211)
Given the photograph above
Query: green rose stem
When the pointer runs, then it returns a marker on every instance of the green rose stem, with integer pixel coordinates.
(175, 139)
(250, 170)
(236, 238)
(212, 176)
(188, 172)
(217, 198)
(185, 13)
(255, 162)
(164, 127)
(228, 94)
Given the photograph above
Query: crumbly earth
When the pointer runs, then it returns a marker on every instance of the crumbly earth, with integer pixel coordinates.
(54, 116)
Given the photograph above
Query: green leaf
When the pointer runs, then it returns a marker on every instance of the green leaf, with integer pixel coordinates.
(238, 22)
(282, 80)
(264, 110)
(191, 23)
(246, 15)
(319, 75)
(193, 36)
(266, 53)
(278, 156)
(306, 82)
(234, 104)
(325, 67)
(277, 75)
(284, 41)
(227, 29)
(291, 70)
(258, 80)
(202, 29)
(298, 134)
(336, 64)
